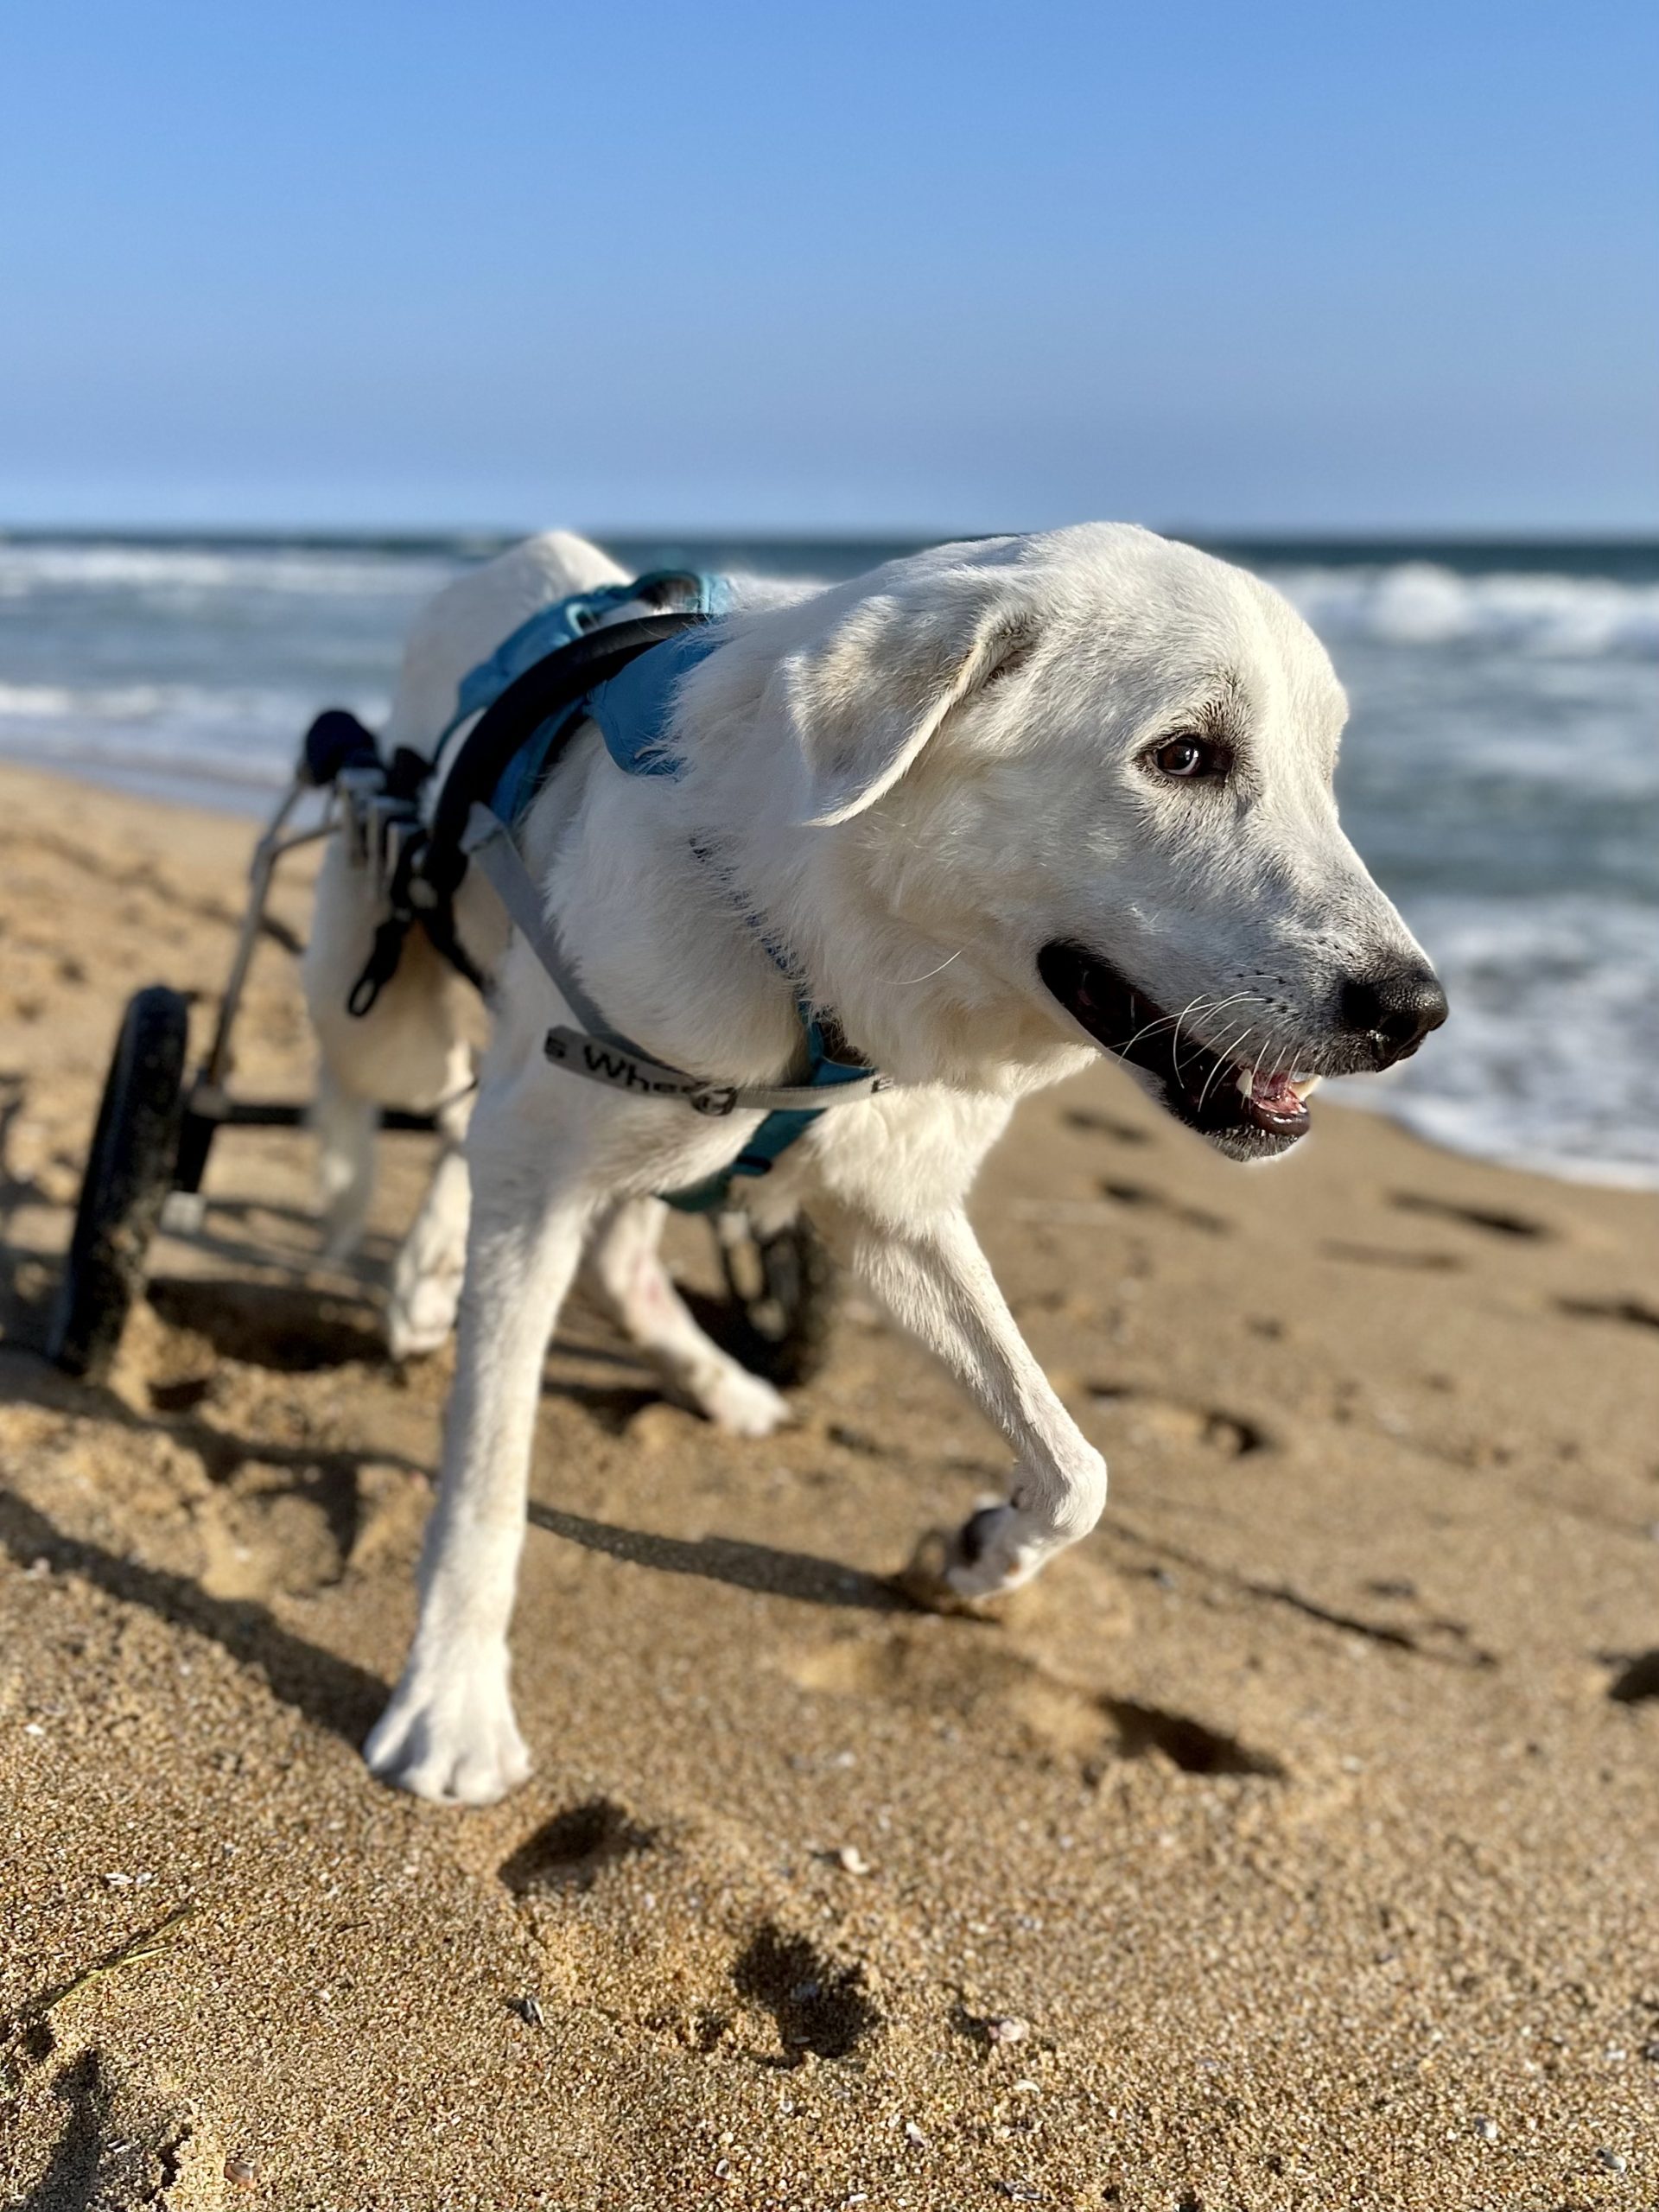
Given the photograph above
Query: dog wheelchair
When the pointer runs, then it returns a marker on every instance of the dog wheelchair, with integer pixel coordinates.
(159, 1117)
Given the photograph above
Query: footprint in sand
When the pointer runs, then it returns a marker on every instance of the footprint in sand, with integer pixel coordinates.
(688, 1929)
(1187, 1744)
(978, 1685)
(1631, 1312)
(573, 1847)
(1637, 1679)
(816, 2005)
(286, 1328)
(1147, 1200)
(1228, 1433)
(1493, 1222)
(124, 2141)
(1388, 1255)
(1094, 1123)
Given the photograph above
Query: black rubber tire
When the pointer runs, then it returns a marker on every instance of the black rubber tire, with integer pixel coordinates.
(128, 1173)
(782, 1288)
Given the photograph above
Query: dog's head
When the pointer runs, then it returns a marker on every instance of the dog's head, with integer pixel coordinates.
(1090, 773)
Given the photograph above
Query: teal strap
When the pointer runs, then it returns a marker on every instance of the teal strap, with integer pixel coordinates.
(550, 627)
(779, 1131)
(635, 707)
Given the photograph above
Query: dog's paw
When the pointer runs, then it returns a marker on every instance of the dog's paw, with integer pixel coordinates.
(449, 1733)
(942, 1576)
(743, 1404)
(420, 1313)
(991, 1554)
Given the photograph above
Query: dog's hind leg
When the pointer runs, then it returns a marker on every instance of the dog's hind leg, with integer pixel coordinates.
(345, 1127)
(449, 1732)
(406, 1052)
(625, 1265)
(426, 1277)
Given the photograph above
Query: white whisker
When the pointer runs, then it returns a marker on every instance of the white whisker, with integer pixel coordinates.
(1150, 1028)
(1175, 1042)
(1239, 998)
(1222, 1061)
(939, 970)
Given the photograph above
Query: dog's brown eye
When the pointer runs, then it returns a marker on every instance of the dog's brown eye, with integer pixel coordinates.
(1192, 760)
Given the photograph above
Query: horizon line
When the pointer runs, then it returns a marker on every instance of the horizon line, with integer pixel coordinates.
(435, 536)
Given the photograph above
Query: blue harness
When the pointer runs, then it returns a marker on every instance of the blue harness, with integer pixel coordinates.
(632, 710)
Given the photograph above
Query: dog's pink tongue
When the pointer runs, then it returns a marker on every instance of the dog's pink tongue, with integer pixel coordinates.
(1276, 1093)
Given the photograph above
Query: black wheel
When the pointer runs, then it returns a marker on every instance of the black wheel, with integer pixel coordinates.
(129, 1173)
(783, 1289)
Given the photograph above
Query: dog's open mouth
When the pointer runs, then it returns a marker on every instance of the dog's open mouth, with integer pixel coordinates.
(1246, 1112)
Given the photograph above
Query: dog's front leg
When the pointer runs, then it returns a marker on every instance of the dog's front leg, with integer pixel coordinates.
(449, 1732)
(932, 1277)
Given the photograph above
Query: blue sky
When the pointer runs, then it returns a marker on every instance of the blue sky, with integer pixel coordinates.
(854, 267)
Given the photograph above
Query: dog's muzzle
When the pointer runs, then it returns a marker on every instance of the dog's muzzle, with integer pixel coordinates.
(1377, 1020)
(1246, 1112)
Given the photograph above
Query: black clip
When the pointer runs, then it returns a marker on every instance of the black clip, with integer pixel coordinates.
(381, 965)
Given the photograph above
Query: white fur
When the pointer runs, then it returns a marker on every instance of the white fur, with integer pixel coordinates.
(918, 779)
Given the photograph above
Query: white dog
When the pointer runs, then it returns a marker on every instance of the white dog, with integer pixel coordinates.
(1004, 804)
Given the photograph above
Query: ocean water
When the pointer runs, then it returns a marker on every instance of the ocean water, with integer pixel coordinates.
(1500, 772)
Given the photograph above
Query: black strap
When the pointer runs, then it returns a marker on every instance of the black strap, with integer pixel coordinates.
(560, 680)
(407, 907)
(439, 923)
(381, 965)
(406, 772)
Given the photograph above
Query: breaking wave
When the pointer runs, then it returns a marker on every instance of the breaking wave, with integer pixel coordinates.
(168, 735)
(28, 568)
(1500, 772)
(1420, 603)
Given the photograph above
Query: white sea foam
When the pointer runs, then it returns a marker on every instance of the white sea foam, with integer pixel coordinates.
(1551, 1057)
(174, 733)
(94, 702)
(135, 702)
(27, 569)
(1420, 603)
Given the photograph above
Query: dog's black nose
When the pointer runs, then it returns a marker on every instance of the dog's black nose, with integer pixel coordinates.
(1396, 1009)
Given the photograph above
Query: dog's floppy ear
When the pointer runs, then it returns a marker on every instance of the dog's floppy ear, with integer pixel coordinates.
(863, 701)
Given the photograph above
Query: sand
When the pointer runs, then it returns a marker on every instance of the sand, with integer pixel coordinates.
(1291, 1843)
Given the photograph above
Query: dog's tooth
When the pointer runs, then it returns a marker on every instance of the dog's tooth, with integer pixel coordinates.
(1245, 1082)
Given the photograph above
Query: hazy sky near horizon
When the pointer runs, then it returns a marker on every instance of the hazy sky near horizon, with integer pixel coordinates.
(908, 267)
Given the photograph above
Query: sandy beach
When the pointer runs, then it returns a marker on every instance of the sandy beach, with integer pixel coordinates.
(1291, 1843)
